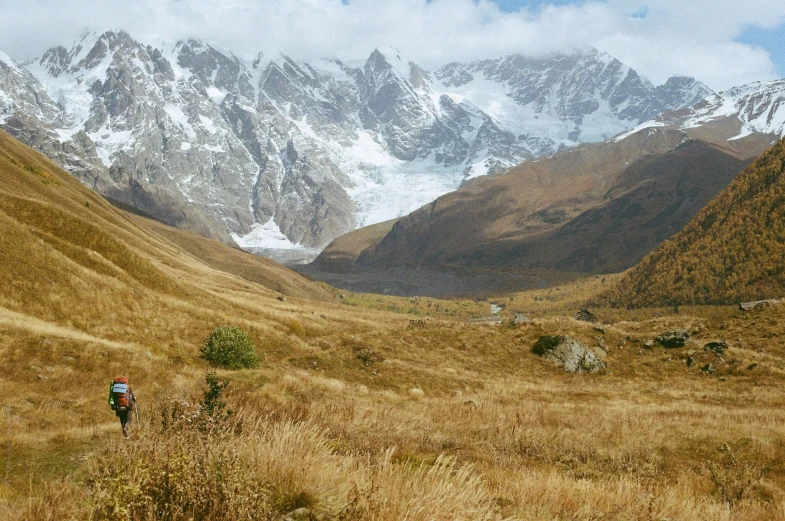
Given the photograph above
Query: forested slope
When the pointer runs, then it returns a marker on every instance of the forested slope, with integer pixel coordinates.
(733, 250)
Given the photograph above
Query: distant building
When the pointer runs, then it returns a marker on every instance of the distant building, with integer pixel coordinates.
(520, 318)
(747, 306)
(585, 316)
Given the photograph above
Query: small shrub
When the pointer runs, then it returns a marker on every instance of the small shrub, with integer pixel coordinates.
(208, 415)
(212, 406)
(368, 357)
(230, 347)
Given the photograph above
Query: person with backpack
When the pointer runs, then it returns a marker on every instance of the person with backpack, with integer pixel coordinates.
(122, 401)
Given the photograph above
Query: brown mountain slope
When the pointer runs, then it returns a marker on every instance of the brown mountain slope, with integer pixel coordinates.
(653, 199)
(598, 208)
(343, 251)
(733, 250)
(530, 199)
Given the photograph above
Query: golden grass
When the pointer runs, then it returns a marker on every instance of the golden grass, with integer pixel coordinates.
(354, 414)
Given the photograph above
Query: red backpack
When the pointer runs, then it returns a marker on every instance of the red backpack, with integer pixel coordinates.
(120, 394)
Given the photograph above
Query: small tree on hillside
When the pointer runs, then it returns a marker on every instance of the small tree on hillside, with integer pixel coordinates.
(229, 347)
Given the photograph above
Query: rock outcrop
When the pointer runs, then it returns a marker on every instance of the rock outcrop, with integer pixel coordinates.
(568, 353)
(673, 338)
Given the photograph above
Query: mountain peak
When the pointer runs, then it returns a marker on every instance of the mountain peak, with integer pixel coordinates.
(390, 53)
(386, 57)
(759, 107)
(210, 127)
(8, 61)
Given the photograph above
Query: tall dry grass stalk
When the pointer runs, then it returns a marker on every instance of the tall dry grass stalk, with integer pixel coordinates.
(258, 468)
(386, 491)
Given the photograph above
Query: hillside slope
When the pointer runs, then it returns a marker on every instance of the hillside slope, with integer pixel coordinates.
(346, 249)
(651, 200)
(733, 250)
(65, 241)
(594, 209)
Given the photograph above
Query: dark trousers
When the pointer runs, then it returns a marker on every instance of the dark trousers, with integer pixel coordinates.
(126, 417)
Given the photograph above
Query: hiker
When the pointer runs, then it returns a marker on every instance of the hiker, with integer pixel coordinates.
(122, 401)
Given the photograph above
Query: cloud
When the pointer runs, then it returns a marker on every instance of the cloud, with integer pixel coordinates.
(659, 38)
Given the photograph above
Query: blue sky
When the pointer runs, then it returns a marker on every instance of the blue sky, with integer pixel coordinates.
(516, 5)
(773, 40)
(723, 43)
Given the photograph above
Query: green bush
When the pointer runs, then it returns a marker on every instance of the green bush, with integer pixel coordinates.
(229, 347)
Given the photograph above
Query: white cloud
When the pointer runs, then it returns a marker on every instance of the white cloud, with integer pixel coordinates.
(692, 37)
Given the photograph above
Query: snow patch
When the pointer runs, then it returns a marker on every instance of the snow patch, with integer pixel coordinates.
(494, 99)
(646, 124)
(216, 94)
(392, 56)
(332, 69)
(180, 120)
(108, 142)
(266, 235)
(393, 191)
(208, 124)
(6, 107)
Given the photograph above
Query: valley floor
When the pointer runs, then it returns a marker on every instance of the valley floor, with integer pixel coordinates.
(437, 282)
(358, 413)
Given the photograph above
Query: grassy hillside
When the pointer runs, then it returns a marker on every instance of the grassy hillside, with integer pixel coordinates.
(343, 252)
(356, 413)
(650, 201)
(733, 250)
(224, 258)
(595, 209)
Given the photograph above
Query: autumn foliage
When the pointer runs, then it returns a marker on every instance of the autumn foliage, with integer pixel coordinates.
(733, 250)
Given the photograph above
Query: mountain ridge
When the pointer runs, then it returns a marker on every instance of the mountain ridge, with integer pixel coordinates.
(313, 150)
(577, 198)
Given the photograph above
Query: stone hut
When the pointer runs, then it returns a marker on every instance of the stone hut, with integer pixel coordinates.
(585, 315)
(748, 306)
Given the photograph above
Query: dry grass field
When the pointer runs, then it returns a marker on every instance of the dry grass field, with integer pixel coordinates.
(355, 412)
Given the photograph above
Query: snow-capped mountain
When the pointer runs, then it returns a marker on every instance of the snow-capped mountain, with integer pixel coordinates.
(278, 152)
(756, 108)
(596, 208)
(562, 101)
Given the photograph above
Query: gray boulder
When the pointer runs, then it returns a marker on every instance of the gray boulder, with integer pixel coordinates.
(568, 353)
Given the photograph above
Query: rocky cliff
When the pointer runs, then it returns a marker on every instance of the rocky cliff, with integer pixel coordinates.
(275, 151)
